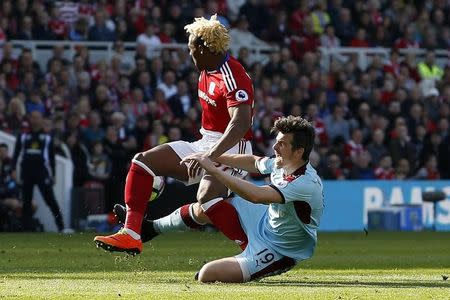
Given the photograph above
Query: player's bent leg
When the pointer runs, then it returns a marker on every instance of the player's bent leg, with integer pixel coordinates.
(191, 216)
(222, 270)
(161, 160)
(210, 188)
(220, 212)
(148, 231)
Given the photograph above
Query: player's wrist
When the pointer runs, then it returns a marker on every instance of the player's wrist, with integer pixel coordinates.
(212, 155)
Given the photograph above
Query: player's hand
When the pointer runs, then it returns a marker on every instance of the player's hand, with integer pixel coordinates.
(196, 162)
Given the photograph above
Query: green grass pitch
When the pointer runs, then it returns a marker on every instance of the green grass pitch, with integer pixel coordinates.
(345, 266)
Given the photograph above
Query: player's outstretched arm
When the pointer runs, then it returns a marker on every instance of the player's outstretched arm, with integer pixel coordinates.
(248, 191)
(245, 162)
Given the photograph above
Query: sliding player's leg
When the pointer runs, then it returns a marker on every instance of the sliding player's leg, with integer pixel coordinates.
(258, 260)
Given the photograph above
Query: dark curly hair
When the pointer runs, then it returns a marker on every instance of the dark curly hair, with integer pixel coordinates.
(302, 130)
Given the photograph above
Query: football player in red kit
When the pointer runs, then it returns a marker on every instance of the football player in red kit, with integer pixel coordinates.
(225, 92)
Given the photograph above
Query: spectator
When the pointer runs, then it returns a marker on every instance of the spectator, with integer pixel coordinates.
(80, 30)
(150, 40)
(26, 32)
(336, 125)
(241, 36)
(403, 170)
(94, 132)
(377, 148)
(333, 169)
(384, 170)
(361, 167)
(168, 86)
(79, 155)
(345, 29)
(428, 69)
(353, 148)
(119, 158)
(181, 101)
(401, 147)
(360, 39)
(430, 170)
(99, 164)
(10, 205)
(320, 17)
(329, 39)
(99, 31)
(41, 29)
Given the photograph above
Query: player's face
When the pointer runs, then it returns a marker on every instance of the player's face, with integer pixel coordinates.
(283, 149)
(195, 52)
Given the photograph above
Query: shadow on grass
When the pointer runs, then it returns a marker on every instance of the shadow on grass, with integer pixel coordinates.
(354, 283)
(163, 279)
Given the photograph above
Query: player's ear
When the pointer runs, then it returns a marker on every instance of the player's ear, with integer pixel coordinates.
(299, 152)
(201, 48)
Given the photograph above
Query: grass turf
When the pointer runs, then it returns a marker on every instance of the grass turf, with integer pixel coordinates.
(345, 266)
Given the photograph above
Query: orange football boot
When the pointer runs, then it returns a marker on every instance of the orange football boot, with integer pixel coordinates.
(120, 242)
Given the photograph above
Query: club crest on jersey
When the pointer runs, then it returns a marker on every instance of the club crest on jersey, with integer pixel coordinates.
(282, 183)
(211, 88)
(241, 96)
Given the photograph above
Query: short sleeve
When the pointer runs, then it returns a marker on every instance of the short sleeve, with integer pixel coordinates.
(238, 89)
(299, 190)
(264, 165)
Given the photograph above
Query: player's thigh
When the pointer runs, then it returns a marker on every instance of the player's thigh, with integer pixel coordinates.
(210, 188)
(223, 270)
(164, 161)
(250, 214)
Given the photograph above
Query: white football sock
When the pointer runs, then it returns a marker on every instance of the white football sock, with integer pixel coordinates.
(172, 222)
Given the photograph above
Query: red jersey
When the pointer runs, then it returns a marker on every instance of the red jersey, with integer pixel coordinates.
(228, 86)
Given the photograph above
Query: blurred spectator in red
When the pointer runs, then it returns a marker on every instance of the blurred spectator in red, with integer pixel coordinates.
(360, 39)
(333, 169)
(429, 171)
(384, 170)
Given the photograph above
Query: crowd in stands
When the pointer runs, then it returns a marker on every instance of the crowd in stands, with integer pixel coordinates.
(388, 121)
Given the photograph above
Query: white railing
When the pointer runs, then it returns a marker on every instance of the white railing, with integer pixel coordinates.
(42, 50)
(365, 55)
(62, 188)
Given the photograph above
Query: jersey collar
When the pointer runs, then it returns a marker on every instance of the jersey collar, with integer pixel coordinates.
(297, 173)
(226, 58)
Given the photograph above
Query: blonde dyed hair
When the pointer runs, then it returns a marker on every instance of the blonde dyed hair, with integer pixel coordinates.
(214, 35)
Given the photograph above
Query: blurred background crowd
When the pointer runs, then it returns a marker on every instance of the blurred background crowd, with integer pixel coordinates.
(387, 121)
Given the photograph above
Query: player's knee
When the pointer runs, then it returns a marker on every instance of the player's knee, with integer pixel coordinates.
(139, 157)
(203, 195)
(207, 274)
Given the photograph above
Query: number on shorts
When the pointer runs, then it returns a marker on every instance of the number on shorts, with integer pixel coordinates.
(266, 258)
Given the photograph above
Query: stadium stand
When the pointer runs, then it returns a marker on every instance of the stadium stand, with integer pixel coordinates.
(118, 72)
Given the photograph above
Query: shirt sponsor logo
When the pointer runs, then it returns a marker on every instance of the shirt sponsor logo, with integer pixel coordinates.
(202, 95)
(241, 96)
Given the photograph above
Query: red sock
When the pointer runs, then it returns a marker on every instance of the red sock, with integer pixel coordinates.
(138, 189)
(186, 217)
(225, 217)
